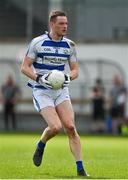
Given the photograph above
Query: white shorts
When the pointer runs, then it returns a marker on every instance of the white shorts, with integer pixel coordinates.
(47, 97)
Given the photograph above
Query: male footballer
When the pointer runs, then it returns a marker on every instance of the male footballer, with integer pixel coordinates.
(45, 53)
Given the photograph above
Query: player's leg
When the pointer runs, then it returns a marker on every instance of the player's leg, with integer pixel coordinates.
(66, 114)
(54, 125)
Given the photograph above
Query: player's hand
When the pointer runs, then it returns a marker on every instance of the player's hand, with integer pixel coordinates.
(67, 80)
(43, 80)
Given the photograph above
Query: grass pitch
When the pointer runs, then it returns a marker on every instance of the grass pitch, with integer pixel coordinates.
(104, 157)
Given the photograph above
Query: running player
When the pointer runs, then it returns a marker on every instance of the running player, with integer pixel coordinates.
(45, 53)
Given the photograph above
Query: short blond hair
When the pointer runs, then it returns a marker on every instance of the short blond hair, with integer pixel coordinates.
(54, 14)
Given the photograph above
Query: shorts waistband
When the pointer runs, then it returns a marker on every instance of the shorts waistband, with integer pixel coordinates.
(36, 86)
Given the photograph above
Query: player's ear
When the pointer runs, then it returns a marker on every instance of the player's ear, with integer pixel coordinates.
(51, 24)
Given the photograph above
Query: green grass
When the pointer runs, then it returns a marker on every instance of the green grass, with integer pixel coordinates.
(104, 157)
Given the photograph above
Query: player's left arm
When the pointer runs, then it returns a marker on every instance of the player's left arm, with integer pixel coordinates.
(73, 73)
(73, 70)
(73, 63)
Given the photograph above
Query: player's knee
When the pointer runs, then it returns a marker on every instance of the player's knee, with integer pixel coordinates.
(56, 129)
(71, 130)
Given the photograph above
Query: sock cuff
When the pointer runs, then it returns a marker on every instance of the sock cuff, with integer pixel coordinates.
(79, 165)
(77, 162)
(41, 145)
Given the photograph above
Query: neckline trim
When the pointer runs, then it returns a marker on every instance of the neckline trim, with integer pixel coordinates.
(54, 40)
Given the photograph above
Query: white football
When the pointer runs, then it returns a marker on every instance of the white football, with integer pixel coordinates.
(56, 78)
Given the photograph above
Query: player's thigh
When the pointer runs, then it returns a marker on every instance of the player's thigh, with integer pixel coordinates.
(51, 117)
(41, 99)
(66, 114)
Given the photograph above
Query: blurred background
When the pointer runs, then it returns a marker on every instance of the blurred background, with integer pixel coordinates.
(99, 95)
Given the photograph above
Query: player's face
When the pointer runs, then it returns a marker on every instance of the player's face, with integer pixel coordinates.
(59, 26)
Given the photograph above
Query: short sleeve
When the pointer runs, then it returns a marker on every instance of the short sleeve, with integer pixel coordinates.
(73, 54)
(31, 52)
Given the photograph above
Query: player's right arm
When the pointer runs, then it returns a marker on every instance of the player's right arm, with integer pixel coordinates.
(26, 68)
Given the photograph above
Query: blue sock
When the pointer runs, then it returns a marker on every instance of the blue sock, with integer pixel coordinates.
(41, 145)
(79, 165)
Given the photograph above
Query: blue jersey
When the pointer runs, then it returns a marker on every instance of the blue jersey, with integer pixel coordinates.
(48, 54)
